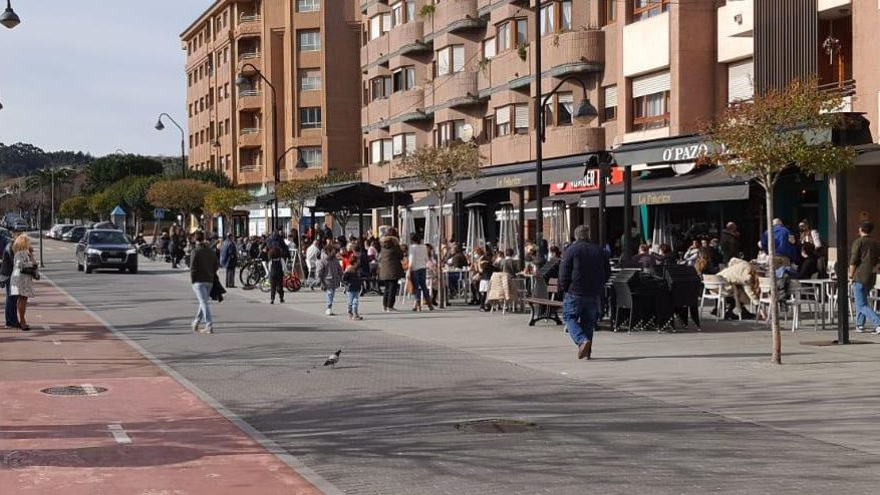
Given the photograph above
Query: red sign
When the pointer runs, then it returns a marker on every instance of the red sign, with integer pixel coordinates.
(590, 182)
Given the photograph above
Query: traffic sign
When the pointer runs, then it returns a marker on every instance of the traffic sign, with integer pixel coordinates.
(159, 214)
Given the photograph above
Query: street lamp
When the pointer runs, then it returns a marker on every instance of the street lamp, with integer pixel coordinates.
(9, 18)
(160, 127)
(584, 111)
(242, 82)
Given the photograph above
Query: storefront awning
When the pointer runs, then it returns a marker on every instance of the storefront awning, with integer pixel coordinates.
(702, 186)
(663, 152)
(869, 155)
(355, 197)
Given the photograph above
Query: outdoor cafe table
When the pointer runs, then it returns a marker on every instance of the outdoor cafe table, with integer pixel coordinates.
(821, 286)
(463, 288)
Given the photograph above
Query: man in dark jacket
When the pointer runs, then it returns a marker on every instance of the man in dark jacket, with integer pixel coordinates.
(276, 240)
(5, 274)
(229, 259)
(582, 276)
(731, 246)
(203, 266)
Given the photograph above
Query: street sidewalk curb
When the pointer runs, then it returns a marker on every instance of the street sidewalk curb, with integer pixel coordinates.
(273, 448)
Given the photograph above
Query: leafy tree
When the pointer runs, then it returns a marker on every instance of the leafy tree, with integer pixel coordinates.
(440, 169)
(295, 193)
(223, 201)
(103, 172)
(21, 159)
(184, 195)
(101, 204)
(75, 208)
(783, 128)
(219, 179)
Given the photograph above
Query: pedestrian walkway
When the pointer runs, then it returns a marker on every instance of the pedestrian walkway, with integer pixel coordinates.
(133, 429)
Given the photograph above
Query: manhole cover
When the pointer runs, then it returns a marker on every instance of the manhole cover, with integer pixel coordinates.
(496, 426)
(74, 390)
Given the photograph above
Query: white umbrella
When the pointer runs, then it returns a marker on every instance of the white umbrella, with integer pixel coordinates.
(661, 233)
(559, 225)
(509, 229)
(476, 235)
(407, 224)
(432, 226)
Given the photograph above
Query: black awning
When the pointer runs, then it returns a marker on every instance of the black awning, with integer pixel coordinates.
(356, 197)
(680, 149)
(703, 186)
(869, 155)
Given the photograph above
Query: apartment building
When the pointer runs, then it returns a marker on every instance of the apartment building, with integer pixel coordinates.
(437, 71)
(308, 51)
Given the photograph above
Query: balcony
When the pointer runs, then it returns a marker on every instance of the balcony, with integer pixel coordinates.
(407, 102)
(250, 137)
(250, 174)
(456, 90)
(250, 99)
(249, 25)
(407, 38)
(512, 148)
(845, 90)
(455, 15)
(375, 111)
(250, 57)
(506, 69)
(573, 52)
(374, 50)
(573, 139)
(736, 24)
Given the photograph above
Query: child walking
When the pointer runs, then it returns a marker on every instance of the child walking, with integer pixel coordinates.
(329, 275)
(353, 283)
(276, 275)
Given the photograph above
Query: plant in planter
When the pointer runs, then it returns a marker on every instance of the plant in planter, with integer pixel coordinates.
(427, 10)
(522, 51)
(483, 64)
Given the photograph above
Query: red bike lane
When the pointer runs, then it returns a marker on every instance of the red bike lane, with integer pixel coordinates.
(135, 430)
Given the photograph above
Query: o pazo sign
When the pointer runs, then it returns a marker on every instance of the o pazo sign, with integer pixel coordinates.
(687, 152)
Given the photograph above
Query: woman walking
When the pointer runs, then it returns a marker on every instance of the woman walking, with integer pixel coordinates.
(276, 275)
(23, 274)
(330, 276)
(390, 268)
(418, 272)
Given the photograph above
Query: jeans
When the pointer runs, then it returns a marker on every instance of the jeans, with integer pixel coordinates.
(276, 284)
(581, 316)
(11, 307)
(230, 275)
(353, 301)
(390, 293)
(330, 294)
(203, 294)
(863, 311)
(420, 287)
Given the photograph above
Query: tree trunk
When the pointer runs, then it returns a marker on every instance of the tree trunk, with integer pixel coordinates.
(441, 262)
(774, 293)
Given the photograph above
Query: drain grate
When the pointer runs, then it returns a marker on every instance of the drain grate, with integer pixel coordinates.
(498, 425)
(74, 390)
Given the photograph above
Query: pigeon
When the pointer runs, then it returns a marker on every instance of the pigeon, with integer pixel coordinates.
(333, 359)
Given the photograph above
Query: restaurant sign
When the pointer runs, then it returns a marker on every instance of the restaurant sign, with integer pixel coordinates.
(590, 182)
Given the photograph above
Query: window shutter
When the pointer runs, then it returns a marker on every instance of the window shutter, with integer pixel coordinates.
(375, 27)
(457, 58)
(502, 115)
(610, 96)
(398, 144)
(376, 151)
(489, 48)
(410, 143)
(522, 117)
(650, 84)
(740, 77)
(443, 62)
(387, 149)
(386, 22)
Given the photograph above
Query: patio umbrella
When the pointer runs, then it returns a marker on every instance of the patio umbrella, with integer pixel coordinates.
(559, 225)
(662, 234)
(407, 224)
(509, 229)
(476, 235)
(432, 226)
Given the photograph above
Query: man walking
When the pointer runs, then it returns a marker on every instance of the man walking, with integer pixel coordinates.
(582, 276)
(229, 259)
(5, 274)
(203, 266)
(864, 256)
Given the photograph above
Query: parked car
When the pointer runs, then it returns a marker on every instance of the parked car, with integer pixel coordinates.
(20, 226)
(105, 226)
(105, 248)
(58, 230)
(75, 234)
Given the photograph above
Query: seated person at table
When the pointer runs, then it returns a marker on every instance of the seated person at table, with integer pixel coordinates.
(508, 264)
(690, 256)
(743, 279)
(809, 263)
(664, 257)
(644, 259)
(706, 262)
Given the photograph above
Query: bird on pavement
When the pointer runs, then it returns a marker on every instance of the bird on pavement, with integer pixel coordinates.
(333, 359)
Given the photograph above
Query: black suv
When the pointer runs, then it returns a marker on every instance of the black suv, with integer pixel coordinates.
(105, 248)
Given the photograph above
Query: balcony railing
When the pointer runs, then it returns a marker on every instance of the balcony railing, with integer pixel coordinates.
(249, 55)
(244, 93)
(251, 130)
(251, 167)
(842, 88)
(245, 18)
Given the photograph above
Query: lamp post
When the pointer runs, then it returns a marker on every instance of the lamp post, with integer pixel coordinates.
(9, 18)
(300, 165)
(242, 82)
(584, 110)
(160, 127)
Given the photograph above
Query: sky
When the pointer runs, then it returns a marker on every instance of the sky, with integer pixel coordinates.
(94, 75)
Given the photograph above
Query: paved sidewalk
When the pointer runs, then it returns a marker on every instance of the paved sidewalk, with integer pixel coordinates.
(147, 434)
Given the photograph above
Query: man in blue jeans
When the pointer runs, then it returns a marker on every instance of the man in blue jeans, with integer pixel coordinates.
(863, 259)
(582, 275)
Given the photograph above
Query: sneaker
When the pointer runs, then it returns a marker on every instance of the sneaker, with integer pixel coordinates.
(208, 329)
(877, 331)
(195, 327)
(357, 318)
(329, 312)
(860, 329)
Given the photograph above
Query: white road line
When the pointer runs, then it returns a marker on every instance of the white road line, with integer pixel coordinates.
(89, 389)
(56, 341)
(119, 434)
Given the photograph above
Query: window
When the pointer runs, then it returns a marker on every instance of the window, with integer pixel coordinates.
(308, 5)
(310, 79)
(376, 152)
(610, 111)
(310, 118)
(650, 101)
(740, 81)
(489, 127)
(397, 14)
(503, 37)
(565, 108)
(448, 132)
(522, 32)
(228, 129)
(521, 118)
(403, 79)
(489, 48)
(313, 157)
(502, 121)
(644, 9)
(310, 40)
(375, 27)
(609, 12)
(380, 87)
(548, 18)
(410, 10)
(450, 60)
(512, 119)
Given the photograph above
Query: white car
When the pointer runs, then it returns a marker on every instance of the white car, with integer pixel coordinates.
(58, 230)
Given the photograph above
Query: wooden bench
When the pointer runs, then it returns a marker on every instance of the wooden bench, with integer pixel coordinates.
(545, 309)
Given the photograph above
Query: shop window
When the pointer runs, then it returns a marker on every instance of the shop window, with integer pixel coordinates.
(644, 9)
(651, 111)
(555, 17)
(310, 118)
(450, 60)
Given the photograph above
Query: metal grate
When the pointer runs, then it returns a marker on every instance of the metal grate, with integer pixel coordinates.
(497, 426)
(74, 390)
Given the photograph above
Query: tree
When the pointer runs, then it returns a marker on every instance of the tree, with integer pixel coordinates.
(75, 208)
(440, 170)
(184, 195)
(218, 179)
(223, 201)
(101, 204)
(788, 127)
(105, 171)
(133, 191)
(296, 193)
